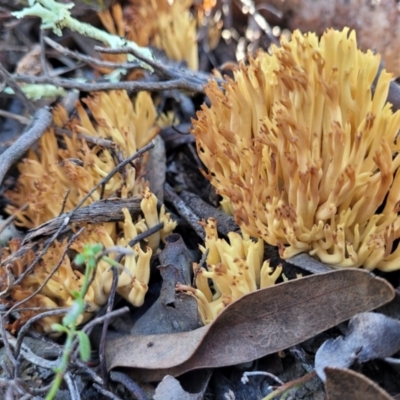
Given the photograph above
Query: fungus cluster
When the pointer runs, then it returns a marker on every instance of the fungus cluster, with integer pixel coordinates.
(46, 179)
(234, 269)
(167, 25)
(305, 154)
(57, 177)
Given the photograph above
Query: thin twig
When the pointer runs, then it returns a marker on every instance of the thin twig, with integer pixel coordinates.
(21, 119)
(11, 218)
(96, 321)
(103, 340)
(10, 81)
(28, 354)
(64, 202)
(130, 86)
(109, 144)
(6, 343)
(40, 123)
(290, 385)
(106, 393)
(85, 369)
(23, 331)
(45, 67)
(136, 391)
(115, 170)
(72, 386)
(141, 237)
(87, 59)
(195, 79)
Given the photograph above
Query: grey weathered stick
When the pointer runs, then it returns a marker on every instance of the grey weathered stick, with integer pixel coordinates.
(184, 210)
(41, 121)
(225, 223)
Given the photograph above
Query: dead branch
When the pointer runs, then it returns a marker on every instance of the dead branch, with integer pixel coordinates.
(41, 122)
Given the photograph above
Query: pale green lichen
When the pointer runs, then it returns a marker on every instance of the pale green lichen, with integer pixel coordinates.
(36, 92)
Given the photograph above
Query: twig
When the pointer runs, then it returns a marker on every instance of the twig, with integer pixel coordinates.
(64, 202)
(10, 81)
(28, 324)
(109, 144)
(290, 385)
(141, 237)
(85, 369)
(43, 61)
(41, 122)
(195, 79)
(6, 342)
(130, 86)
(135, 390)
(72, 387)
(184, 211)
(106, 393)
(11, 218)
(245, 377)
(27, 353)
(103, 339)
(108, 210)
(87, 59)
(225, 223)
(19, 118)
(121, 165)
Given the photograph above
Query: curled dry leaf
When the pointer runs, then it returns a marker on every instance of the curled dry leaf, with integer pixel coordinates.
(347, 384)
(260, 323)
(370, 336)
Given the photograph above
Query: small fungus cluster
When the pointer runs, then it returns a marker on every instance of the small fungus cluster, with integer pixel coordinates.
(167, 25)
(234, 269)
(305, 153)
(57, 177)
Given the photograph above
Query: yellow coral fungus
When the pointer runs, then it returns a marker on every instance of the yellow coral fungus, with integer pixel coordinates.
(235, 269)
(307, 153)
(46, 178)
(58, 291)
(76, 167)
(168, 25)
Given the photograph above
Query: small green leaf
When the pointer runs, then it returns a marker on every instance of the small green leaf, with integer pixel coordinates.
(59, 328)
(84, 346)
(80, 259)
(97, 247)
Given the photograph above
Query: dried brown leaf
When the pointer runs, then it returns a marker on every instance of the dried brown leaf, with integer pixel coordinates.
(260, 323)
(346, 384)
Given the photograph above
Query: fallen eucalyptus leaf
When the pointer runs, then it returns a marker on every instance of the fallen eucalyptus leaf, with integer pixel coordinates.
(370, 335)
(346, 384)
(260, 323)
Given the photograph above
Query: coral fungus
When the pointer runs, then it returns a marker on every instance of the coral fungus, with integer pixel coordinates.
(56, 178)
(46, 178)
(306, 154)
(170, 26)
(235, 269)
